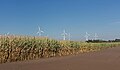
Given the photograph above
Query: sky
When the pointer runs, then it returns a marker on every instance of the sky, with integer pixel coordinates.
(22, 17)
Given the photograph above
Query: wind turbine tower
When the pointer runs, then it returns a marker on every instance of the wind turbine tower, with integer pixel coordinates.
(40, 31)
(96, 36)
(87, 36)
(64, 34)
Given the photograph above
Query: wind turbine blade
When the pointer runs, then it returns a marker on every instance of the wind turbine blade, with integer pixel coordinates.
(66, 34)
(42, 31)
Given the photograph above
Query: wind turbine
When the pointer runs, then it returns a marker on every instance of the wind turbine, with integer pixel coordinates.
(95, 36)
(64, 34)
(87, 36)
(7, 33)
(40, 31)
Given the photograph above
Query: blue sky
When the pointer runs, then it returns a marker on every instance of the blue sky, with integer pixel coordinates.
(22, 17)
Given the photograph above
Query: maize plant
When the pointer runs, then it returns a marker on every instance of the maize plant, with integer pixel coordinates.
(20, 48)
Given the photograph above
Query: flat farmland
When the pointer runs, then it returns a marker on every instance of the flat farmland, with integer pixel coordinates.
(108, 59)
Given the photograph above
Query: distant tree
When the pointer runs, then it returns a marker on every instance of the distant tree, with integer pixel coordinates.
(101, 41)
(117, 40)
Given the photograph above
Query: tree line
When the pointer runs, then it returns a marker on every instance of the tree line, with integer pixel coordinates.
(101, 41)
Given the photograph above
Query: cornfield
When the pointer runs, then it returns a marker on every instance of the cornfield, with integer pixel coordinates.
(20, 48)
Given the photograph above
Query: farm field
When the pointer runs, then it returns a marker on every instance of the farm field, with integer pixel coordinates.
(22, 48)
(108, 59)
(59, 35)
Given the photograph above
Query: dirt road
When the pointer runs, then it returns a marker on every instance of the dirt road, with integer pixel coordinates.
(103, 60)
